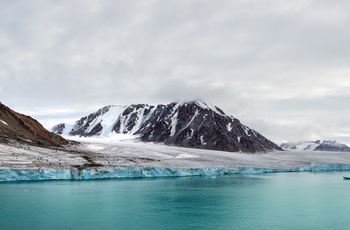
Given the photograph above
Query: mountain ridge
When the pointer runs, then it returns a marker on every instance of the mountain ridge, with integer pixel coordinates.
(18, 127)
(187, 124)
(318, 145)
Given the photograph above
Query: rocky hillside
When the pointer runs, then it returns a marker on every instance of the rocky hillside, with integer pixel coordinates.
(316, 146)
(18, 127)
(191, 124)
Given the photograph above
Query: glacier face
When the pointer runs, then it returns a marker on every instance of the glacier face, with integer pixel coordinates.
(104, 159)
(150, 172)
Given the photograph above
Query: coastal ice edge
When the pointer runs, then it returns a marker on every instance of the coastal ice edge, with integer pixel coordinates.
(149, 172)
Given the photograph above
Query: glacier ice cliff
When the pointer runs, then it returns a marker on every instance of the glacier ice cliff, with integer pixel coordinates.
(149, 172)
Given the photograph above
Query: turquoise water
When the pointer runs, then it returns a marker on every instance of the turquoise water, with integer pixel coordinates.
(266, 201)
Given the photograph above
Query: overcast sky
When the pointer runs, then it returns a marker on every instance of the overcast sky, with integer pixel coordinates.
(281, 67)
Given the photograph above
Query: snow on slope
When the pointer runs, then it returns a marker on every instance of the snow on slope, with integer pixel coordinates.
(107, 120)
(130, 119)
(186, 124)
(318, 145)
(3, 122)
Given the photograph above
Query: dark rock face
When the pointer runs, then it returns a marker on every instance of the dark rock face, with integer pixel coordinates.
(58, 129)
(22, 128)
(332, 146)
(191, 124)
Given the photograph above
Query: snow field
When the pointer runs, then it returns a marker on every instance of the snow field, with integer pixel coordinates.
(122, 156)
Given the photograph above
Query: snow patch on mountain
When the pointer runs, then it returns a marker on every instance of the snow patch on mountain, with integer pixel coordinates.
(3, 122)
(173, 124)
(229, 127)
(204, 105)
(187, 124)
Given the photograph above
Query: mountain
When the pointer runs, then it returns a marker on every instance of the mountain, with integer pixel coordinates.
(18, 127)
(188, 124)
(316, 146)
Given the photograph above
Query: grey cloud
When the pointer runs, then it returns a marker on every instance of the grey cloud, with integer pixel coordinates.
(275, 60)
(180, 90)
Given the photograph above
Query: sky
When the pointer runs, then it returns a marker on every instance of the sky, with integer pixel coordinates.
(280, 67)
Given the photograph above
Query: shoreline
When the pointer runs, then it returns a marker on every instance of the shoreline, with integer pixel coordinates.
(102, 159)
(17, 174)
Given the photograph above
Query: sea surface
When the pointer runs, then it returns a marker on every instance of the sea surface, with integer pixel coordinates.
(264, 201)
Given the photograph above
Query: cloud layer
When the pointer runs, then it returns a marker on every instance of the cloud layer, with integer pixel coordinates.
(279, 66)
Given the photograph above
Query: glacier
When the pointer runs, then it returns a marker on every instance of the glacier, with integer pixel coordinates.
(96, 158)
(7, 175)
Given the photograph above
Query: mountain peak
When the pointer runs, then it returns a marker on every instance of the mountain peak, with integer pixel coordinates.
(188, 124)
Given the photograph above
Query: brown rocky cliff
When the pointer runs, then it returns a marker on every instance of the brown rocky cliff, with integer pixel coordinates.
(22, 128)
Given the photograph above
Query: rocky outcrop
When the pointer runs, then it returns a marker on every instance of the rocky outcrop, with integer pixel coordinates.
(190, 124)
(18, 127)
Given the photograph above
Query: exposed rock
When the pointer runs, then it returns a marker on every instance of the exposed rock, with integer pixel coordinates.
(316, 146)
(189, 124)
(18, 127)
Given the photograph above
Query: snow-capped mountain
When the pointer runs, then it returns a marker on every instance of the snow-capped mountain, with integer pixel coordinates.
(188, 124)
(316, 146)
